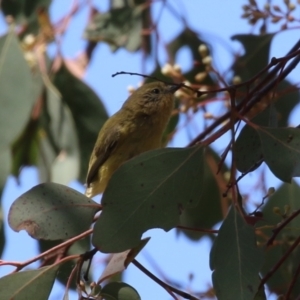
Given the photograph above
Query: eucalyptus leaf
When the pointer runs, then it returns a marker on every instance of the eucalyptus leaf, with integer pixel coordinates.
(52, 211)
(119, 291)
(235, 258)
(33, 284)
(148, 191)
(16, 103)
(281, 150)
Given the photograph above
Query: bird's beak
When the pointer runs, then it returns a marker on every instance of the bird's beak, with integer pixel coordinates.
(172, 88)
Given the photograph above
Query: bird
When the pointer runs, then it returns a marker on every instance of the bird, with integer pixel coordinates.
(136, 128)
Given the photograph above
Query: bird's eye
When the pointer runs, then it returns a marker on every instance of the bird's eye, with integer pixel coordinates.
(155, 91)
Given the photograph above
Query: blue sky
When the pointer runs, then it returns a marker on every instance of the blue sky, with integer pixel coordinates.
(175, 256)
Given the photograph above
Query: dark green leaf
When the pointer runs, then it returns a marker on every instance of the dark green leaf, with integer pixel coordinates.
(208, 212)
(256, 56)
(119, 291)
(59, 148)
(260, 295)
(34, 284)
(86, 108)
(23, 11)
(18, 102)
(281, 151)
(234, 258)
(149, 191)
(25, 148)
(5, 167)
(52, 211)
(287, 195)
(248, 152)
(119, 27)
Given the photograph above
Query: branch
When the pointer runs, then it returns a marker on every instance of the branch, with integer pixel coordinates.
(167, 287)
(19, 266)
(256, 93)
(279, 263)
(281, 226)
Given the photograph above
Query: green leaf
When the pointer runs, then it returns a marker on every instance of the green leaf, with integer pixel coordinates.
(59, 159)
(52, 211)
(260, 295)
(16, 103)
(86, 108)
(248, 151)
(281, 151)
(287, 195)
(23, 11)
(149, 191)
(25, 148)
(288, 98)
(234, 258)
(119, 291)
(119, 27)
(33, 284)
(256, 56)
(208, 212)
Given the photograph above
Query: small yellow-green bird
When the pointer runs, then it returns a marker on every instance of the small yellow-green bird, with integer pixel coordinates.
(137, 127)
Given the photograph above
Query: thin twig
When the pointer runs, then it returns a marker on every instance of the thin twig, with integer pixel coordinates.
(281, 226)
(167, 287)
(279, 263)
(20, 266)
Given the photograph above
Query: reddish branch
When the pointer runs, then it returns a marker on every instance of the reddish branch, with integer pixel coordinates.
(281, 226)
(279, 263)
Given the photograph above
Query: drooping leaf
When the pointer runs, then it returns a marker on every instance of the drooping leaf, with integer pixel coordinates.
(87, 110)
(286, 198)
(248, 152)
(235, 258)
(52, 211)
(33, 284)
(16, 103)
(208, 212)
(149, 191)
(120, 261)
(25, 148)
(260, 295)
(281, 151)
(119, 27)
(59, 159)
(119, 291)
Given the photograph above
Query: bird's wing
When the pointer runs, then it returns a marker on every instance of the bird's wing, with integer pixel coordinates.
(102, 154)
